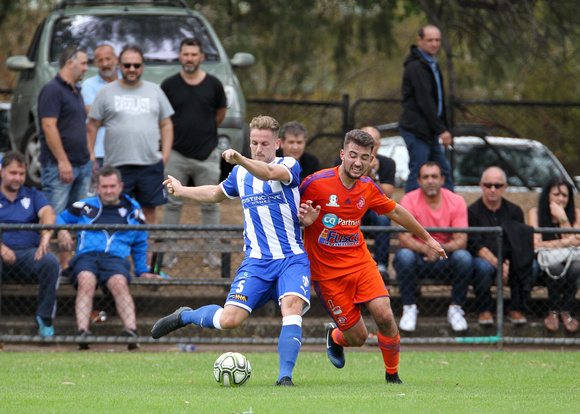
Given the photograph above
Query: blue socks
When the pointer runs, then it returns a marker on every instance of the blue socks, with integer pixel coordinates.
(206, 316)
(289, 344)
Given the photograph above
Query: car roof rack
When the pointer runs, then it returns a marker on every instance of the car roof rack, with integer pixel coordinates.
(167, 3)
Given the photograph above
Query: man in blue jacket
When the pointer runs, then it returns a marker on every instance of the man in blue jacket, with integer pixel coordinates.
(423, 123)
(101, 257)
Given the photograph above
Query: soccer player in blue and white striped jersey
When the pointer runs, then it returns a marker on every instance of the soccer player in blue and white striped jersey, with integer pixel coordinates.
(275, 266)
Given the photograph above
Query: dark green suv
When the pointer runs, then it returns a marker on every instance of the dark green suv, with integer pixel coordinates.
(157, 27)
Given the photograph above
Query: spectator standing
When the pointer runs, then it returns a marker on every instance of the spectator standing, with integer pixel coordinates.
(65, 155)
(434, 206)
(199, 101)
(556, 209)
(135, 113)
(423, 124)
(491, 210)
(105, 61)
(343, 273)
(26, 255)
(275, 266)
(101, 258)
(294, 136)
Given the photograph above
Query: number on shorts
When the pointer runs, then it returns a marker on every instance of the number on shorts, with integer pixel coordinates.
(240, 286)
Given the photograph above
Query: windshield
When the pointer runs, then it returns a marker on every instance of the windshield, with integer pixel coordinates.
(158, 36)
(534, 164)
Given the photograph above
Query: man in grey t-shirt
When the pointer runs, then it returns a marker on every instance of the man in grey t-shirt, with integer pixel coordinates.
(135, 113)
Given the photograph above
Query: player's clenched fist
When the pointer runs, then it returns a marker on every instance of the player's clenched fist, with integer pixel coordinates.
(232, 156)
(173, 185)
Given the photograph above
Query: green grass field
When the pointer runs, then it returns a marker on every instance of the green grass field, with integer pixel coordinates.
(463, 382)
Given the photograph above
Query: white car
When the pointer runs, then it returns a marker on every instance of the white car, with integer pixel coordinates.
(527, 163)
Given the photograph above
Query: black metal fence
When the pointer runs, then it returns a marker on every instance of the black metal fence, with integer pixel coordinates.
(555, 124)
(177, 252)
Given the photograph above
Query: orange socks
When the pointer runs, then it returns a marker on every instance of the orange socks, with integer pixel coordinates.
(390, 349)
(338, 337)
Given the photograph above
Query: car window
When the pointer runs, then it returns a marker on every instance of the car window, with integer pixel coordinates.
(535, 164)
(158, 36)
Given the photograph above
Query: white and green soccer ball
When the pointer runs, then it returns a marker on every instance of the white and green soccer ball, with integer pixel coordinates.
(232, 369)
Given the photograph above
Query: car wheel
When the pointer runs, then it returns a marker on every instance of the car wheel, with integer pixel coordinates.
(31, 149)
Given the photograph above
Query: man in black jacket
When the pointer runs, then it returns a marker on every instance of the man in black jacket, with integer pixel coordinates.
(423, 124)
(491, 210)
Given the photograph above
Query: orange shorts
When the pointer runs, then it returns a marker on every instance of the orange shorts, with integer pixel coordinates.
(342, 296)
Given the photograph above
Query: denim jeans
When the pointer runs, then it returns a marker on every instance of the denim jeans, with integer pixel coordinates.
(483, 276)
(457, 269)
(419, 153)
(62, 195)
(44, 272)
(382, 239)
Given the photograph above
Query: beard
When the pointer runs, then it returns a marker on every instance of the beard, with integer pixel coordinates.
(190, 68)
(107, 72)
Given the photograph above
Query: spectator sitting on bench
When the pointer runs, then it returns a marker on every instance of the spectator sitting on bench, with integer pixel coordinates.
(101, 257)
(25, 254)
(434, 206)
(492, 209)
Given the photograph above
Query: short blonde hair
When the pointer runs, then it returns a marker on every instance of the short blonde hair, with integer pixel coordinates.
(266, 122)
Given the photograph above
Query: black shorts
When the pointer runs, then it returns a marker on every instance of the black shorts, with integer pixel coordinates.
(144, 183)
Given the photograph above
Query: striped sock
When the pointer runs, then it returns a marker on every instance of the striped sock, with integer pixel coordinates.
(390, 349)
(338, 338)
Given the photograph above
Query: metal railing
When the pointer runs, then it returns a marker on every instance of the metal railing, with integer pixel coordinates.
(189, 282)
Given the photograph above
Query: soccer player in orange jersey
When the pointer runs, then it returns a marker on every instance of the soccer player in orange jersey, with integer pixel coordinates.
(344, 275)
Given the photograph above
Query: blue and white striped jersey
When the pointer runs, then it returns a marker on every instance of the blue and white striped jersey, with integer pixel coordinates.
(271, 224)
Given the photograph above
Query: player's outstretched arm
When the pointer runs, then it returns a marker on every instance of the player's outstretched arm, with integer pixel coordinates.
(307, 214)
(402, 216)
(203, 194)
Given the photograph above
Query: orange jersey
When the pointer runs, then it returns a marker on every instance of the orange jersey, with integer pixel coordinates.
(334, 242)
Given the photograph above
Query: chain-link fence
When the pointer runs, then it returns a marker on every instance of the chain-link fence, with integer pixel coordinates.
(179, 254)
(553, 124)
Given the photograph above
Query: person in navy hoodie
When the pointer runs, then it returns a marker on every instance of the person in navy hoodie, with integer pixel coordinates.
(101, 258)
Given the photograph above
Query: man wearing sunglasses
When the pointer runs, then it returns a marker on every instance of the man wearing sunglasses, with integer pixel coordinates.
(491, 210)
(135, 113)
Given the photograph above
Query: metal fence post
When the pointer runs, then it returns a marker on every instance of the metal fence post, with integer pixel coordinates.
(346, 125)
(500, 254)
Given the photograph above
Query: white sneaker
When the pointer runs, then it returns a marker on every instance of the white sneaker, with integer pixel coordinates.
(409, 319)
(456, 319)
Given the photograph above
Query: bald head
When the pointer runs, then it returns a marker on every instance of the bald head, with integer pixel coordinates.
(373, 132)
(495, 174)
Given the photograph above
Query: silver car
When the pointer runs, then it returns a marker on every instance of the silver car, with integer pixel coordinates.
(527, 163)
(158, 30)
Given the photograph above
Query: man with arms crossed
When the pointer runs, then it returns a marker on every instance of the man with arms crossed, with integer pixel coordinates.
(344, 274)
(275, 266)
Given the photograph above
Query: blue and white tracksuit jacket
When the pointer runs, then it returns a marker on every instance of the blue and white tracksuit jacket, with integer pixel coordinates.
(121, 243)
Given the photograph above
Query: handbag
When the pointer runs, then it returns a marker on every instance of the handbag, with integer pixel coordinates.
(557, 255)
